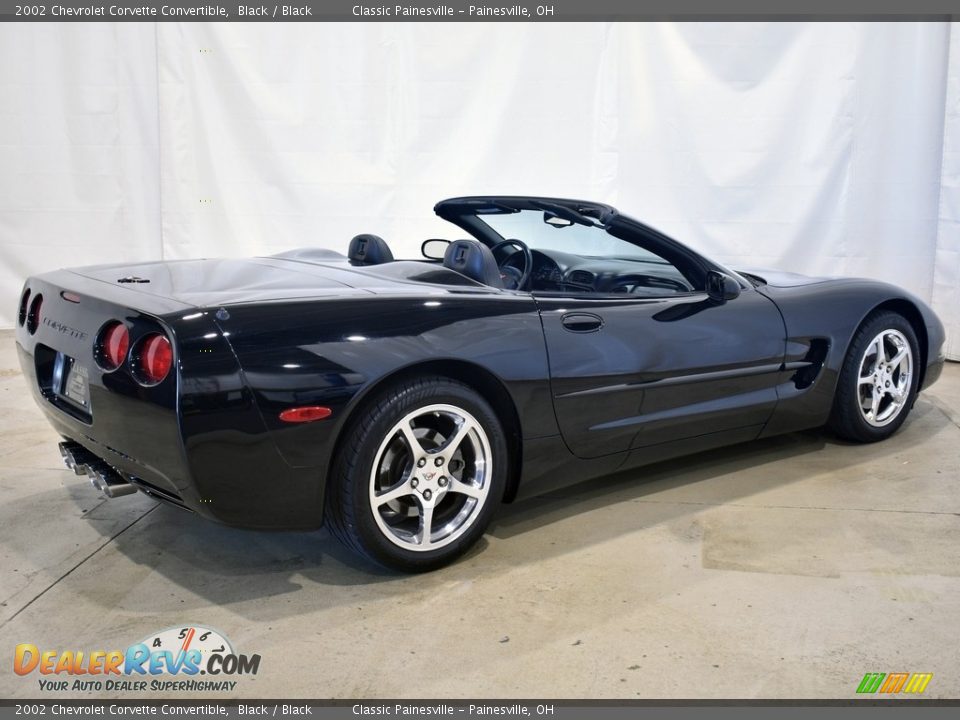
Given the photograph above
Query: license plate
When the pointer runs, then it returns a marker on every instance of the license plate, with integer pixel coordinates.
(71, 381)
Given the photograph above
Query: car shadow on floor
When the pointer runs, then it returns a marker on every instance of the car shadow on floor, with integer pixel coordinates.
(651, 481)
(722, 476)
(203, 563)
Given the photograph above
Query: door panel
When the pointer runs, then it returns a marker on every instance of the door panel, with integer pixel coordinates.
(631, 373)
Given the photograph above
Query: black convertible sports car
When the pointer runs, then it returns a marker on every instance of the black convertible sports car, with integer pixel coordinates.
(401, 401)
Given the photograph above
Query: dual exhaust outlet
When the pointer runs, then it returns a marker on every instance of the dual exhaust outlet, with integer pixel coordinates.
(104, 478)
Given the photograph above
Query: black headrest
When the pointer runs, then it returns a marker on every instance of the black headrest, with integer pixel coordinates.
(369, 250)
(471, 258)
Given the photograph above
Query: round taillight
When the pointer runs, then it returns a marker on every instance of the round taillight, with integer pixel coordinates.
(33, 315)
(24, 302)
(113, 345)
(154, 359)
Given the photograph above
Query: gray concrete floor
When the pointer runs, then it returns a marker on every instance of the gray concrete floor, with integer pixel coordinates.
(784, 568)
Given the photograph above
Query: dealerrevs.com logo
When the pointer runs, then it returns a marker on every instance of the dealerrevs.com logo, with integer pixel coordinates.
(171, 660)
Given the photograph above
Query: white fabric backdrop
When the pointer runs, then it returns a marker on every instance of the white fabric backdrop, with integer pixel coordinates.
(946, 276)
(815, 147)
(79, 167)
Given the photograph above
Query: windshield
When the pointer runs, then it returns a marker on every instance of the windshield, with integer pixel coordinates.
(584, 240)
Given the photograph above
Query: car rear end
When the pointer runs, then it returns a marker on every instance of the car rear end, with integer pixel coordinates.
(101, 364)
(134, 367)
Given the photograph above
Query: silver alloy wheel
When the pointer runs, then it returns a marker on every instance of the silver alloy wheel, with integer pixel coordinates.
(431, 477)
(883, 384)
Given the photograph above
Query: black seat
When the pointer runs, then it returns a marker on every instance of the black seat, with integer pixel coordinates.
(471, 258)
(369, 250)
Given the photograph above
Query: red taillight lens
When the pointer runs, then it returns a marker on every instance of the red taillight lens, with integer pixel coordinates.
(24, 300)
(113, 345)
(155, 358)
(33, 316)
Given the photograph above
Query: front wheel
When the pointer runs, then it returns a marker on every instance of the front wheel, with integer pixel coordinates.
(420, 473)
(878, 383)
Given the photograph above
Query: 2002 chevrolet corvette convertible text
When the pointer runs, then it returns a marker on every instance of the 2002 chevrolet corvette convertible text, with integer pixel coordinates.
(402, 401)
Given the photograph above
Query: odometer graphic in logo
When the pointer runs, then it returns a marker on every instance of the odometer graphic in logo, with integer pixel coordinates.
(182, 640)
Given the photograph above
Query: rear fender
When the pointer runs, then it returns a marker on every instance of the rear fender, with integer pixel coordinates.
(332, 353)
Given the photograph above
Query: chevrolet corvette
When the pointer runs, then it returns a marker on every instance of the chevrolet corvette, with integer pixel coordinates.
(400, 402)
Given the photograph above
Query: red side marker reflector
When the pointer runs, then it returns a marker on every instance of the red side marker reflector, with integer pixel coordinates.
(70, 297)
(305, 414)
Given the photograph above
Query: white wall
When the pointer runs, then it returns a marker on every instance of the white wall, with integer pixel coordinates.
(815, 147)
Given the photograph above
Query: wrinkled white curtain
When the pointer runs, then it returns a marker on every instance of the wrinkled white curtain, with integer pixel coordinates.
(946, 273)
(820, 148)
(79, 163)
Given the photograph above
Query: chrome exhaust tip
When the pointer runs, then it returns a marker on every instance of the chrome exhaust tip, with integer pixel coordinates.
(107, 482)
(104, 478)
(75, 457)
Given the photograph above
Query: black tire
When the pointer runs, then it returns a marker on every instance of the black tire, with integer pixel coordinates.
(385, 535)
(850, 419)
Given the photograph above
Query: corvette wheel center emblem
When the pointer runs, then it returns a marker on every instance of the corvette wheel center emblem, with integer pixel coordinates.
(429, 484)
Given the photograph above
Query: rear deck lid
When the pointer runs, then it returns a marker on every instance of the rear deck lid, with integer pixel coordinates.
(221, 281)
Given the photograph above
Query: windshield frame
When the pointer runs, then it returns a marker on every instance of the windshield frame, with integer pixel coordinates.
(466, 213)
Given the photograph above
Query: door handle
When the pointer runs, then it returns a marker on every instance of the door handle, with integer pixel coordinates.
(582, 322)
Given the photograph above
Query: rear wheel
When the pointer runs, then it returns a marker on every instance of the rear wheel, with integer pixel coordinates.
(419, 475)
(878, 383)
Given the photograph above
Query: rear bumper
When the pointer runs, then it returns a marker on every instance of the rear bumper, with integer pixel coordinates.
(196, 440)
(139, 441)
(222, 475)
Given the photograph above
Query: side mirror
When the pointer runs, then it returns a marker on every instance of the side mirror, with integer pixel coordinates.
(434, 249)
(721, 288)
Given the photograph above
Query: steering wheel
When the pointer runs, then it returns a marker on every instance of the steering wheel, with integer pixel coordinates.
(513, 276)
